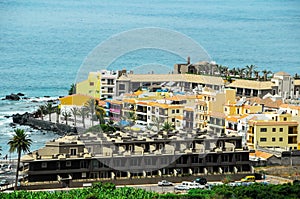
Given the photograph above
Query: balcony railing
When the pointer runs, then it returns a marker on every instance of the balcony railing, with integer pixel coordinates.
(115, 110)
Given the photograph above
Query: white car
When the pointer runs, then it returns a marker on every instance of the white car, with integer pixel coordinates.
(181, 187)
(165, 183)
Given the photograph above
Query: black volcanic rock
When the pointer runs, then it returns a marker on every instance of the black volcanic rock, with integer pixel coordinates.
(21, 119)
(28, 119)
(20, 94)
(12, 97)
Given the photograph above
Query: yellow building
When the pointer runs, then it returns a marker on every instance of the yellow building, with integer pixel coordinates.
(74, 100)
(100, 84)
(90, 86)
(201, 114)
(275, 130)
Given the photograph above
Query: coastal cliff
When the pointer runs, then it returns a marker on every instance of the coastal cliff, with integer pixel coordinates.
(29, 120)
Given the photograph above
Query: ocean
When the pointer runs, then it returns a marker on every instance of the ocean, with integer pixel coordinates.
(44, 43)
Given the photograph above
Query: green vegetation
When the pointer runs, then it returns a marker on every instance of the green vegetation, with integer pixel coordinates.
(20, 143)
(167, 126)
(109, 190)
(72, 89)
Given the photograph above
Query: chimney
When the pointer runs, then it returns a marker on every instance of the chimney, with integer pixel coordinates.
(188, 60)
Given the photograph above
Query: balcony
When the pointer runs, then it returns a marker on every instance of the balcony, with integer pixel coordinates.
(293, 130)
(142, 110)
(117, 111)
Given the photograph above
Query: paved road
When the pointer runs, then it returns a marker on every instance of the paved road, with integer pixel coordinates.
(155, 187)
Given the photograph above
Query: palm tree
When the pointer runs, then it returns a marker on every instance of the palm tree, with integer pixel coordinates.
(241, 72)
(266, 72)
(131, 117)
(75, 111)
(226, 71)
(167, 126)
(220, 69)
(83, 112)
(232, 71)
(20, 143)
(72, 89)
(90, 105)
(100, 112)
(256, 74)
(57, 111)
(49, 108)
(66, 115)
(42, 109)
(250, 70)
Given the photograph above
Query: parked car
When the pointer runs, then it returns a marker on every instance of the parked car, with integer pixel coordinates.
(201, 181)
(165, 183)
(4, 182)
(296, 182)
(181, 187)
(248, 179)
(193, 185)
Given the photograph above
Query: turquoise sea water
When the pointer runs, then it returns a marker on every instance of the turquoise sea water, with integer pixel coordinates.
(43, 43)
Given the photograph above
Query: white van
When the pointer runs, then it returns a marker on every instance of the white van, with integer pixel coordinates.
(191, 185)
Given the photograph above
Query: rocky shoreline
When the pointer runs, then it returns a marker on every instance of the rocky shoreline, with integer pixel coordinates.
(28, 120)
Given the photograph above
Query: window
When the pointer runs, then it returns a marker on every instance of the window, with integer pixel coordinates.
(83, 164)
(284, 119)
(117, 163)
(95, 164)
(73, 151)
(110, 90)
(280, 139)
(134, 162)
(44, 164)
(164, 160)
(225, 158)
(273, 129)
(173, 111)
(91, 83)
(209, 158)
(238, 157)
(173, 119)
(68, 164)
(177, 111)
(263, 129)
(121, 86)
(148, 161)
(273, 139)
(263, 139)
(281, 129)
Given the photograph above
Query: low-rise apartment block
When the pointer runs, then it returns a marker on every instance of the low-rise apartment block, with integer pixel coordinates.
(136, 154)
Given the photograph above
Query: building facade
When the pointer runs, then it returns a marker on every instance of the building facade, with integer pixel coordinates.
(123, 155)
